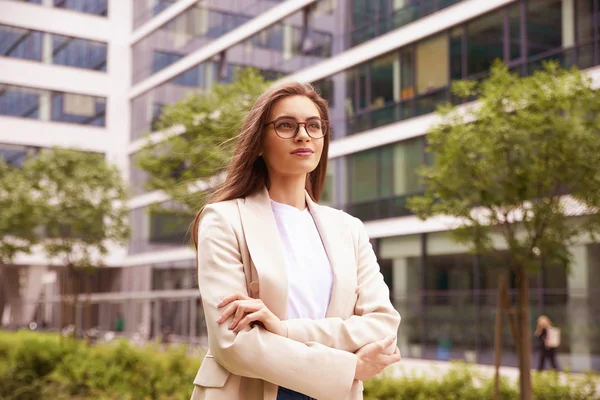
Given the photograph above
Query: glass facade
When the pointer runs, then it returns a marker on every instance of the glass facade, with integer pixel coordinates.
(415, 79)
(94, 7)
(379, 180)
(448, 297)
(372, 18)
(144, 10)
(16, 155)
(45, 105)
(276, 51)
(157, 229)
(51, 48)
(205, 21)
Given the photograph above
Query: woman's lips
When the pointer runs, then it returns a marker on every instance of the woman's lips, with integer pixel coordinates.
(303, 152)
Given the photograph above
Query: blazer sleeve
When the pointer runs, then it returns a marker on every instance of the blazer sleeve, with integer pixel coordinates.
(254, 352)
(375, 317)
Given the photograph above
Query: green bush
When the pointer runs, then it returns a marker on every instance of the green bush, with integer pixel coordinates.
(44, 366)
(465, 383)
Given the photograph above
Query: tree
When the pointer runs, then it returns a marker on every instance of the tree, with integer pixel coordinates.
(19, 213)
(84, 213)
(200, 130)
(520, 164)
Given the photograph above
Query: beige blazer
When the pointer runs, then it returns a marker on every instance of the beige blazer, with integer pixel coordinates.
(239, 251)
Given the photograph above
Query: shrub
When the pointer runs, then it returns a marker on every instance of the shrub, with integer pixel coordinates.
(43, 366)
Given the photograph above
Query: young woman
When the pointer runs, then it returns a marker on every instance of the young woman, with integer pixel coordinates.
(295, 304)
(546, 352)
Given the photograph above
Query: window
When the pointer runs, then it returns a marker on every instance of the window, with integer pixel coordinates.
(16, 101)
(328, 196)
(20, 43)
(407, 156)
(385, 80)
(97, 7)
(168, 227)
(432, 64)
(484, 42)
(325, 88)
(78, 109)
(78, 53)
(59, 50)
(162, 59)
(585, 20)
(362, 170)
(545, 26)
(15, 155)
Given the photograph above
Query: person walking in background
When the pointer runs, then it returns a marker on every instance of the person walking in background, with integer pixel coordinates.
(549, 339)
(296, 306)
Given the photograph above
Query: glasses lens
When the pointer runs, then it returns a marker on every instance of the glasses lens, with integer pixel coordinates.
(286, 127)
(316, 128)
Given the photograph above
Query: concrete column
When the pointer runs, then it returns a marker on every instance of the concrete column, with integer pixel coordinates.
(32, 290)
(578, 310)
(400, 286)
(568, 23)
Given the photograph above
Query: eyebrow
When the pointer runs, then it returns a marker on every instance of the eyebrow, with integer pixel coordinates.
(292, 117)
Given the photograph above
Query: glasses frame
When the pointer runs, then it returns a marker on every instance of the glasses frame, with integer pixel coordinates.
(324, 127)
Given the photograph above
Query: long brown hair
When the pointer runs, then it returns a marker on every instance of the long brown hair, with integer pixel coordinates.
(247, 172)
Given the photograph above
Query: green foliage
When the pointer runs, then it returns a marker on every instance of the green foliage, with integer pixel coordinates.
(43, 366)
(503, 165)
(464, 383)
(202, 128)
(36, 366)
(20, 212)
(84, 208)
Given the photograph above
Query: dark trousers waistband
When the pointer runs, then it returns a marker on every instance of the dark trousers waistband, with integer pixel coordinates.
(288, 394)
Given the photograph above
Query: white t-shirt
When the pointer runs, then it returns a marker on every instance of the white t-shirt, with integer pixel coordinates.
(310, 278)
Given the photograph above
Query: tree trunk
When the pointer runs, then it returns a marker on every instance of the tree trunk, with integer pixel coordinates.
(524, 334)
(87, 326)
(75, 299)
(498, 336)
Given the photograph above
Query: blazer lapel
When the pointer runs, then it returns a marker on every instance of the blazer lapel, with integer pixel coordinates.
(336, 242)
(266, 252)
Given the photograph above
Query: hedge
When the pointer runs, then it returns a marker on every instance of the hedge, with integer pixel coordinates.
(43, 366)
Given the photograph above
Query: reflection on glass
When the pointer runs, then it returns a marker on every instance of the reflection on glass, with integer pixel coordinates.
(20, 43)
(78, 53)
(545, 26)
(484, 42)
(17, 101)
(58, 49)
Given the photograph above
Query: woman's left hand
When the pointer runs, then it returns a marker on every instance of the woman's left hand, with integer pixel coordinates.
(245, 310)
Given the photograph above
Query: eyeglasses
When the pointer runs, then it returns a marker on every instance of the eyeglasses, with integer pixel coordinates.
(288, 128)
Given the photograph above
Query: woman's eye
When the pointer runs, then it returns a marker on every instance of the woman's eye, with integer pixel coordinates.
(285, 125)
(314, 125)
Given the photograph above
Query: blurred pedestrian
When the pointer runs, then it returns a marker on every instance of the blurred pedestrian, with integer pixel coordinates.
(549, 340)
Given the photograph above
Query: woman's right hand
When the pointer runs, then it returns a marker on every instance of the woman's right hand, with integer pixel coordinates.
(372, 359)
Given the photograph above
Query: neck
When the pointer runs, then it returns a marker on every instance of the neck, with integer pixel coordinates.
(288, 190)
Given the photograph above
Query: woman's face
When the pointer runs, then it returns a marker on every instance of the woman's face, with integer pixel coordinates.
(297, 155)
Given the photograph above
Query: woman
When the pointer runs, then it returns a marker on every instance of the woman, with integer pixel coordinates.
(295, 305)
(543, 326)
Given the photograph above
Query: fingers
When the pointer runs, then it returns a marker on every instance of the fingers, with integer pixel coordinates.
(228, 312)
(233, 297)
(385, 343)
(242, 309)
(391, 358)
(255, 316)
